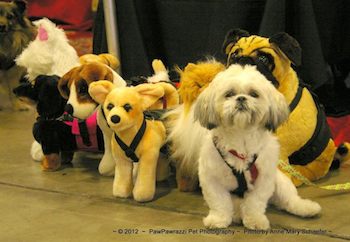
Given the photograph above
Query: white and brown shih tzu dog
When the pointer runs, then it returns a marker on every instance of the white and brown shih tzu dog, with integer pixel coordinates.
(240, 154)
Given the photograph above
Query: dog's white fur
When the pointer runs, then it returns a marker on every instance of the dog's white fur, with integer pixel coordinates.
(244, 126)
(52, 55)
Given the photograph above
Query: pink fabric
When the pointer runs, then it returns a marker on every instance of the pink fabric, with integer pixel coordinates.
(340, 129)
(91, 123)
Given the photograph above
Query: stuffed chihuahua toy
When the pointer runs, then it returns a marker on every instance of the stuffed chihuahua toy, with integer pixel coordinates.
(58, 137)
(135, 138)
(305, 137)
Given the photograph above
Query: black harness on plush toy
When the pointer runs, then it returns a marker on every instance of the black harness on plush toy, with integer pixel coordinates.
(319, 139)
(129, 151)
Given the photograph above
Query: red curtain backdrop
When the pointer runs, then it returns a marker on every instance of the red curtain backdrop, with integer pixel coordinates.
(75, 14)
(340, 129)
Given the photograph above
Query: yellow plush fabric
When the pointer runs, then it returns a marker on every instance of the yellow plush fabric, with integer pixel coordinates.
(195, 78)
(300, 126)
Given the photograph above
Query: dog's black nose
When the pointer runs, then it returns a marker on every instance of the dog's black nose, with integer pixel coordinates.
(241, 99)
(69, 109)
(115, 119)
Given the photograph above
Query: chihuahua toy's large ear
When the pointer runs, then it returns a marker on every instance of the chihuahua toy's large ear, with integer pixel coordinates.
(150, 93)
(232, 37)
(289, 46)
(205, 111)
(99, 90)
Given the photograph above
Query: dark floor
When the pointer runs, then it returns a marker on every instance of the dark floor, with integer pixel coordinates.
(76, 204)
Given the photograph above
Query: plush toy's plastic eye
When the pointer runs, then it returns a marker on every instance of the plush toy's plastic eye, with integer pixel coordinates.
(230, 93)
(127, 107)
(264, 59)
(110, 106)
(83, 89)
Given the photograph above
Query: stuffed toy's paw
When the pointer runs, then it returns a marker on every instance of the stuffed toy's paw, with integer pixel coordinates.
(51, 162)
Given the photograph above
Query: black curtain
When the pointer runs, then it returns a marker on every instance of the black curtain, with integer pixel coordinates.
(179, 32)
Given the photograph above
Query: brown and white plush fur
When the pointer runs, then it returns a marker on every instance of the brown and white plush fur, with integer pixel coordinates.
(74, 87)
(241, 108)
(16, 31)
(124, 108)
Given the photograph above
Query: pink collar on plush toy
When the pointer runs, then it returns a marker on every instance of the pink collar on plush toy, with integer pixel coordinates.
(85, 132)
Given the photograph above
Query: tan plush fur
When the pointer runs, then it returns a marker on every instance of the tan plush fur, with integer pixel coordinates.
(138, 98)
(184, 146)
(105, 58)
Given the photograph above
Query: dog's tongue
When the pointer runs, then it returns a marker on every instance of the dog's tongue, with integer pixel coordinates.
(42, 34)
(253, 173)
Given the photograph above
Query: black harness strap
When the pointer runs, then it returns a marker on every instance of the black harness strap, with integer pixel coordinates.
(84, 132)
(296, 99)
(130, 150)
(241, 180)
(318, 141)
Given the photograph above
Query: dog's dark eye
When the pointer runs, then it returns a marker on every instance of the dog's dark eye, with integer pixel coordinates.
(10, 16)
(230, 94)
(110, 106)
(83, 89)
(253, 94)
(127, 107)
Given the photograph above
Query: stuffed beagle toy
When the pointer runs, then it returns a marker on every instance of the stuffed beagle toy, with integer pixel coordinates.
(136, 139)
(305, 137)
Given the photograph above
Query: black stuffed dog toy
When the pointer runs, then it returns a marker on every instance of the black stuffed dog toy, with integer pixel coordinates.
(58, 136)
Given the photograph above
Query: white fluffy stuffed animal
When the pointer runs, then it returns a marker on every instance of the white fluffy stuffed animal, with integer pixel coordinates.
(49, 54)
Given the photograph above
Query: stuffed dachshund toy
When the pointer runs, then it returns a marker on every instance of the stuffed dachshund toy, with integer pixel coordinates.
(305, 137)
(135, 138)
(58, 137)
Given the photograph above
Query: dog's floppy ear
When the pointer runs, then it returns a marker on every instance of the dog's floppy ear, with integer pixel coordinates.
(150, 94)
(21, 6)
(232, 37)
(205, 111)
(288, 45)
(278, 112)
(63, 83)
(99, 90)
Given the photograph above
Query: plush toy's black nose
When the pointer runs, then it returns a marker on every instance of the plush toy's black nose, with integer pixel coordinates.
(115, 119)
(69, 109)
(241, 99)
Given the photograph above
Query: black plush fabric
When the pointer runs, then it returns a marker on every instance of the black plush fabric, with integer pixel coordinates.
(54, 136)
(179, 32)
